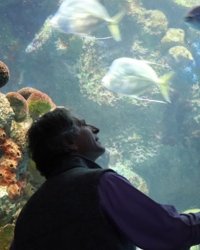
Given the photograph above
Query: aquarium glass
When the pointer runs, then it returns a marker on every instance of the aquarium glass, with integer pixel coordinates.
(147, 109)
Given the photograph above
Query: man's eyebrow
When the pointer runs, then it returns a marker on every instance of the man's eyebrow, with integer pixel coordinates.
(79, 121)
(83, 122)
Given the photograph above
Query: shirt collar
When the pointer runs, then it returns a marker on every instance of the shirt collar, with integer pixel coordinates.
(73, 161)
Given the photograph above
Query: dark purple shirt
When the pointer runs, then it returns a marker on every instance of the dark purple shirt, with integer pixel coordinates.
(148, 224)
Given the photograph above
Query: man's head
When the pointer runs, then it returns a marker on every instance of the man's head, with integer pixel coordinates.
(58, 133)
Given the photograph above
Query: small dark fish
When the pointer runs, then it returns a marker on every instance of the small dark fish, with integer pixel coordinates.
(193, 18)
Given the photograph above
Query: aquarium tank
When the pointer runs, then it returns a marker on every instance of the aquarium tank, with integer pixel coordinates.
(133, 70)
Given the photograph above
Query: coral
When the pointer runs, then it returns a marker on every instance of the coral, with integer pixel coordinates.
(135, 146)
(6, 112)
(187, 3)
(14, 190)
(11, 149)
(19, 105)
(139, 47)
(13, 127)
(27, 91)
(18, 132)
(90, 75)
(194, 118)
(71, 46)
(152, 24)
(9, 210)
(133, 178)
(154, 21)
(4, 74)
(7, 177)
(41, 37)
(3, 191)
(135, 8)
(2, 136)
(10, 158)
(6, 235)
(13, 145)
(173, 37)
(8, 163)
(180, 55)
(39, 103)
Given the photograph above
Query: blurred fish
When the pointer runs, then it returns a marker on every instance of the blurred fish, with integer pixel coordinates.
(193, 18)
(83, 16)
(197, 247)
(134, 77)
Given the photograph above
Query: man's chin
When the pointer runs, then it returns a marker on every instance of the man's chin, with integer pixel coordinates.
(97, 154)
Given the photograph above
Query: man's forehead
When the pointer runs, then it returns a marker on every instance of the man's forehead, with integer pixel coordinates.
(78, 119)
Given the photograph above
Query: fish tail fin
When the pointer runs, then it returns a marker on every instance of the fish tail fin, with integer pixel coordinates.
(113, 25)
(164, 85)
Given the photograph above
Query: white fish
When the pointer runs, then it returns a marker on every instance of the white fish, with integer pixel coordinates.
(134, 77)
(82, 16)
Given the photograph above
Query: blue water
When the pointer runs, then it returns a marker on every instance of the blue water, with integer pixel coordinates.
(159, 142)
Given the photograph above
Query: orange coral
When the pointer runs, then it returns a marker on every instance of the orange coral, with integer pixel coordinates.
(9, 164)
(14, 190)
(2, 136)
(11, 149)
(7, 177)
(27, 105)
(10, 158)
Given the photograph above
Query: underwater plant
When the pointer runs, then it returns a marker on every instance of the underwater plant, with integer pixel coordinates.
(186, 3)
